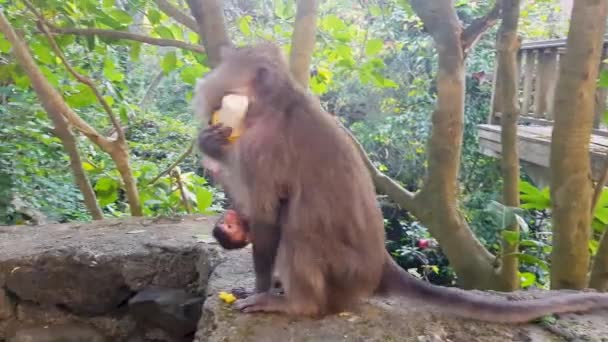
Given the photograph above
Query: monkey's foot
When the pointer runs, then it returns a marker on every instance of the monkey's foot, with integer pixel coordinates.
(261, 302)
(241, 292)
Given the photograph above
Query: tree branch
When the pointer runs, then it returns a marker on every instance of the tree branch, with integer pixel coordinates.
(126, 36)
(177, 15)
(42, 25)
(209, 16)
(303, 40)
(479, 26)
(384, 184)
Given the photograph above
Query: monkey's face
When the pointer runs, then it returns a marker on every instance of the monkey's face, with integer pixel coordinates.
(231, 232)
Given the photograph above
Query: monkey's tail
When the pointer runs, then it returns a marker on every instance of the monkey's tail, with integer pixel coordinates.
(396, 280)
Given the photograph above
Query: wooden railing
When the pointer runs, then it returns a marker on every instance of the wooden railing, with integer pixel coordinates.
(538, 73)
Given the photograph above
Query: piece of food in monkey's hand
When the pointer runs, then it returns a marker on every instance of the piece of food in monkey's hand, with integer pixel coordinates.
(227, 297)
(232, 114)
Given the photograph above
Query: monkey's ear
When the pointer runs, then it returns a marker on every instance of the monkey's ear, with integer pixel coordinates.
(226, 51)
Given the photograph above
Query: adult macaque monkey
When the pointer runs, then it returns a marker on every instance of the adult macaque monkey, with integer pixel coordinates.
(329, 235)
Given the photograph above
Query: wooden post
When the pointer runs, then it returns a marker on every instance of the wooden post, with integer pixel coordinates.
(495, 100)
(545, 84)
(529, 62)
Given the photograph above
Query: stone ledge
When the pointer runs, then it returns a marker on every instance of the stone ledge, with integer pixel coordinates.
(138, 280)
(114, 277)
(381, 320)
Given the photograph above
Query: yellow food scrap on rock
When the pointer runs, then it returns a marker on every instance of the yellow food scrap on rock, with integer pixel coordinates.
(232, 114)
(227, 297)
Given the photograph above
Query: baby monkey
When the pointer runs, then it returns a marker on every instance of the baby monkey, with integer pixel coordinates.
(231, 231)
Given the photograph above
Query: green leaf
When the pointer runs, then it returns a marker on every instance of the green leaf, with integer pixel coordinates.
(135, 51)
(510, 237)
(594, 245)
(5, 45)
(164, 32)
(121, 16)
(279, 9)
(603, 80)
(82, 97)
(373, 47)
(532, 198)
(169, 62)
(243, 23)
(110, 72)
(42, 52)
(106, 184)
(154, 16)
(333, 23)
(90, 42)
(531, 243)
(123, 113)
(204, 199)
(530, 259)
(388, 83)
(191, 73)
(527, 279)
(193, 37)
(88, 166)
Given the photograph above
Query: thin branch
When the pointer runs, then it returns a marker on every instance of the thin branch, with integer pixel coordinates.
(126, 36)
(182, 191)
(384, 184)
(479, 26)
(81, 78)
(177, 15)
(172, 166)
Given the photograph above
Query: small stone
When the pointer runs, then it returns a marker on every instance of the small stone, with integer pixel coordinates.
(173, 310)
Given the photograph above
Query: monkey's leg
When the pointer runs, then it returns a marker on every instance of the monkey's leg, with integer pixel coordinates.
(265, 242)
(303, 285)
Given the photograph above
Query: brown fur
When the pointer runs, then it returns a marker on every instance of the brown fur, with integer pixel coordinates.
(326, 241)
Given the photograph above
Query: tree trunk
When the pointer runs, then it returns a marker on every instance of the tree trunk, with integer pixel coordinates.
(507, 71)
(49, 100)
(80, 177)
(209, 15)
(437, 201)
(571, 186)
(303, 40)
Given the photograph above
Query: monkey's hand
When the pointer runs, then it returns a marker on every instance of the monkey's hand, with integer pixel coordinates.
(213, 140)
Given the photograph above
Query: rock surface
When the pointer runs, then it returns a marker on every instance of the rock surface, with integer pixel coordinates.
(140, 280)
(133, 279)
(381, 320)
